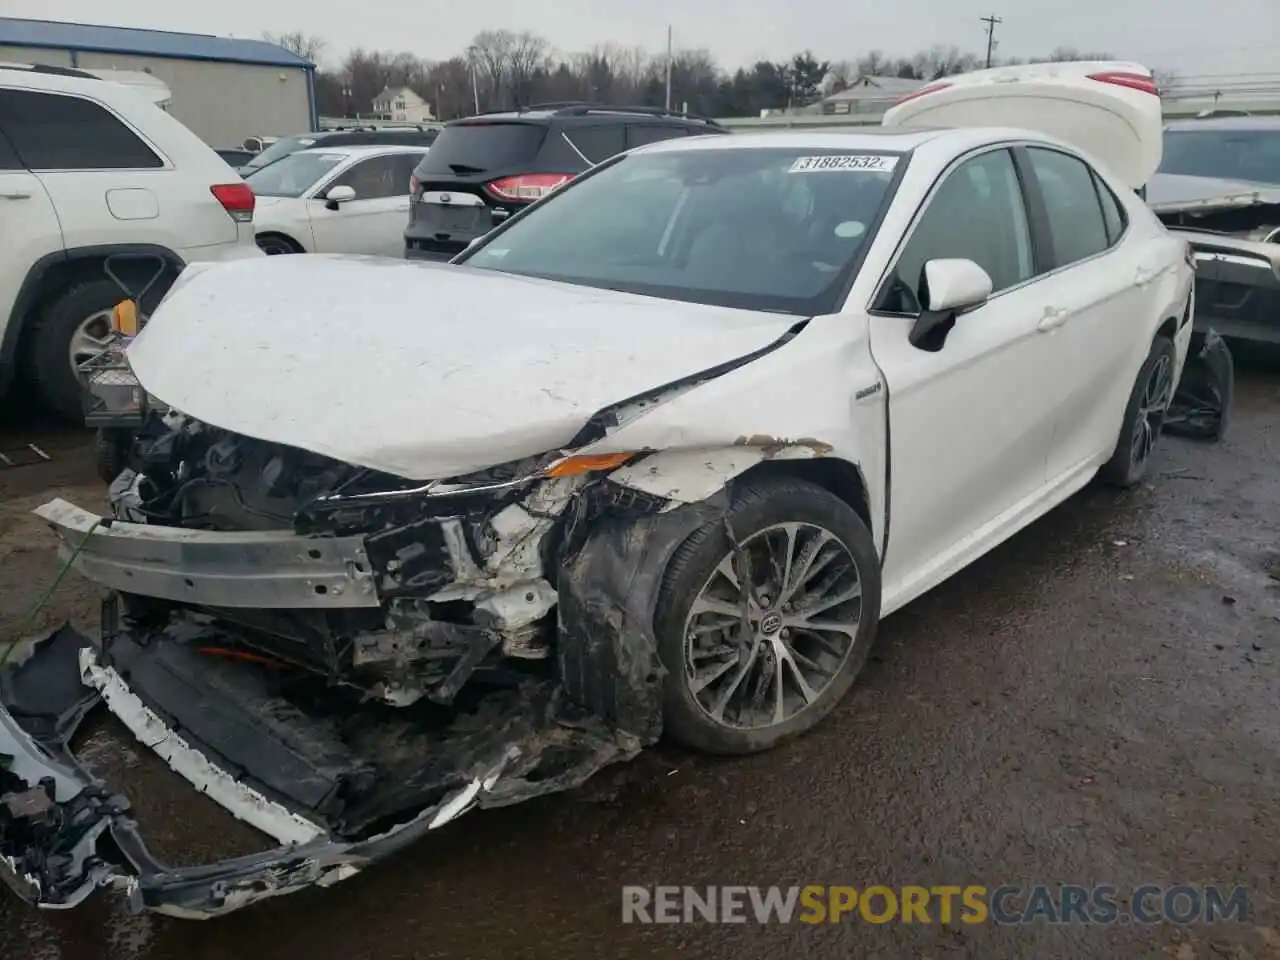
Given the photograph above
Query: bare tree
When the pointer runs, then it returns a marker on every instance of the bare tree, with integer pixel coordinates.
(1166, 80)
(527, 55)
(490, 56)
(304, 45)
(873, 64)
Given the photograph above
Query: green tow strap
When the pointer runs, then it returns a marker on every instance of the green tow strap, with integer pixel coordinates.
(29, 621)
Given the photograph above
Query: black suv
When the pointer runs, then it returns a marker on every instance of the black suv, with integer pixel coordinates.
(483, 169)
(416, 136)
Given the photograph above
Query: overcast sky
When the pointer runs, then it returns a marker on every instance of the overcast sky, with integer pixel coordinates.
(1225, 36)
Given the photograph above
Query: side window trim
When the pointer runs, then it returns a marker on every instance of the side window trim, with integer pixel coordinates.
(165, 162)
(1054, 266)
(886, 278)
(1101, 188)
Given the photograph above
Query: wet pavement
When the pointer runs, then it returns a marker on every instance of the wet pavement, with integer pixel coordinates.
(1096, 702)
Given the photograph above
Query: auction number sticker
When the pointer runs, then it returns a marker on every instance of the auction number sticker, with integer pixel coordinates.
(844, 163)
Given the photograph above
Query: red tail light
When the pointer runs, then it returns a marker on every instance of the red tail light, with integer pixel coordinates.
(414, 184)
(236, 198)
(927, 89)
(1134, 81)
(527, 186)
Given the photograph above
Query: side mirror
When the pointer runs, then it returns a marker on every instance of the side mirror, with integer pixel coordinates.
(947, 288)
(337, 195)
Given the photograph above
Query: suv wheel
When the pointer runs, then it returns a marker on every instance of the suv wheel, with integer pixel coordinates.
(70, 330)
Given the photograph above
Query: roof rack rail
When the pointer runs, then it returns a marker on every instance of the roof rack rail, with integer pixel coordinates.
(579, 108)
(48, 70)
(576, 109)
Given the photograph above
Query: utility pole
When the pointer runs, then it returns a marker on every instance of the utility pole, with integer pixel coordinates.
(667, 106)
(991, 22)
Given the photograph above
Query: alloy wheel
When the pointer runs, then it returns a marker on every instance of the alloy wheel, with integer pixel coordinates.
(90, 338)
(1156, 397)
(772, 626)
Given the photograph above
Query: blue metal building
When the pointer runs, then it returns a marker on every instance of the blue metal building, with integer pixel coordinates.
(224, 89)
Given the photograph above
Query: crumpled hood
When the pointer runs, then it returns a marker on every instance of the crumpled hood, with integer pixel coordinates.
(420, 370)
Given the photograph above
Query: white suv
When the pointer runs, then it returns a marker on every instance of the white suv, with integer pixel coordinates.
(103, 197)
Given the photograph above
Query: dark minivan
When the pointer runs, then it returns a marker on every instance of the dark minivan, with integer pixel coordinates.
(482, 170)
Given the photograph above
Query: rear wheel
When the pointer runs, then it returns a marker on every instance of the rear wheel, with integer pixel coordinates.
(1144, 416)
(762, 637)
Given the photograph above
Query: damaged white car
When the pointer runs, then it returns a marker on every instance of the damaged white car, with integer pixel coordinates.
(653, 457)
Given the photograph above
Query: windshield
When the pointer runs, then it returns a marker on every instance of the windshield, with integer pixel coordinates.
(281, 148)
(1252, 155)
(294, 175)
(762, 229)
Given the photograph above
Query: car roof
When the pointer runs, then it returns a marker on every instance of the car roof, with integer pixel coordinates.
(581, 112)
(1225, 123)
(898, 139)
(367, 149)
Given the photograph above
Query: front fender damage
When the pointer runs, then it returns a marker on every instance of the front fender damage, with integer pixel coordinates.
(544, 736)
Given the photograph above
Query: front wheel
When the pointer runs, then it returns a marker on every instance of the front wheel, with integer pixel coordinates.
(762, 635)
(1143, 416)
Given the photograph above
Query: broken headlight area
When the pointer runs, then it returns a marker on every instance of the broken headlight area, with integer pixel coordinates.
(342, 659)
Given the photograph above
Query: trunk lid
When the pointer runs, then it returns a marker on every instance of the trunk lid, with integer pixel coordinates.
(1110, 110)
(420, 370)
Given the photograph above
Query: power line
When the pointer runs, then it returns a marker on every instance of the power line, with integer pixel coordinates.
(991, 22)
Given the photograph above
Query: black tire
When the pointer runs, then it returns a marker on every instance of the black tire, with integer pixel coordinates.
(112, 448)
(56, 325)
(275, 244)
(1126, 468)
(758, 506)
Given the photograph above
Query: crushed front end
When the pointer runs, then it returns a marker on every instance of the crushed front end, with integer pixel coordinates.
(342, 659)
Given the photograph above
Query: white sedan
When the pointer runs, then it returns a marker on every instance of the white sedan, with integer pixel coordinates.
(335, 200)
(654, 456)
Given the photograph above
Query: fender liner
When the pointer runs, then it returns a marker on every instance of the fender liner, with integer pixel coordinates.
(35, 278)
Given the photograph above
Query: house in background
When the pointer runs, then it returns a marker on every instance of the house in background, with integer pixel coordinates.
(401, 105)
(869, 95)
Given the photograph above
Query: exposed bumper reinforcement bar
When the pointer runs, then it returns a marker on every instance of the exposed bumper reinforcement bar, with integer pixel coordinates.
(263, 569)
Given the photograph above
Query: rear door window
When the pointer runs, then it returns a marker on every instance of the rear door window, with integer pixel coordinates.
(375, 179)
(641, 133)
(1112, 213)
(469, 148)
(1071, 200)
(52, 131)
(598, 143)
(8, 156)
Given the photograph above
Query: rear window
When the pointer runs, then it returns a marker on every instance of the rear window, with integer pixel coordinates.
(1252, 155)
(759, 229)
(469, 148)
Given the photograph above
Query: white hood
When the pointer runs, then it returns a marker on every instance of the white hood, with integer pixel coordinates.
(423, 371)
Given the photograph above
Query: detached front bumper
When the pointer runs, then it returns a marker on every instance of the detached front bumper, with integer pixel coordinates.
(53, 814)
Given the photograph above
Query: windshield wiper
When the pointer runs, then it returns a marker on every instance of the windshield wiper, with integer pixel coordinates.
(462, 169)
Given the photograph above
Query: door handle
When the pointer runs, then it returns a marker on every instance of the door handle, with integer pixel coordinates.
(1144, 276)
(15, 196)
(1053, 318)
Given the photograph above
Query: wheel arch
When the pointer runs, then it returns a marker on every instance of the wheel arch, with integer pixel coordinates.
(288, 238)
(63, 268)
(693, 476)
